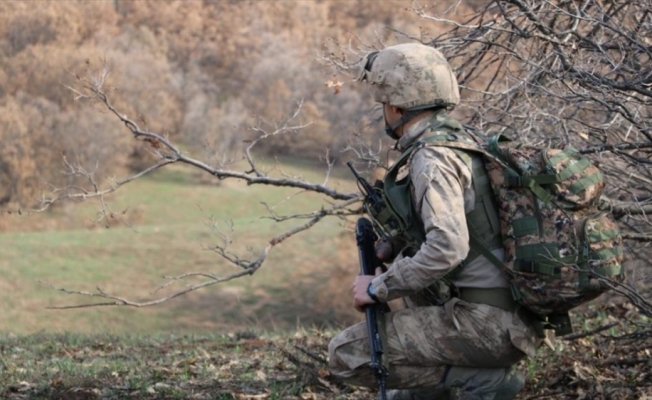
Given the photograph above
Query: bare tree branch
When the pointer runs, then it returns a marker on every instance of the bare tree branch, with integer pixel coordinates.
(575, 73)
(168, 153)
(247, 268)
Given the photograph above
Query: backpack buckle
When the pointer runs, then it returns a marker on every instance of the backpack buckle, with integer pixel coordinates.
(514, 181)
(526, 266)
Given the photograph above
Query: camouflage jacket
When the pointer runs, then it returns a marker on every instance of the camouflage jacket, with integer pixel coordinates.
(442, 194)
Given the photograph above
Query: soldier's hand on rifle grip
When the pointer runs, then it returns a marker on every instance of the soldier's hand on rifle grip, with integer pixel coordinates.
(359, 288)
(384, 250)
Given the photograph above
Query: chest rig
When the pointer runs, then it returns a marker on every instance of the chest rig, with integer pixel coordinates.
(400, 222)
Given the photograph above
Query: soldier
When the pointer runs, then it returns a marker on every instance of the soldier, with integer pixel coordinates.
(461, 331)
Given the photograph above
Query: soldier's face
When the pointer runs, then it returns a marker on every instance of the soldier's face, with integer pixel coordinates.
(392, 114)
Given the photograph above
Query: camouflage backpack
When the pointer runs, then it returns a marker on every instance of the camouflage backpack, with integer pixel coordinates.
(559, 247)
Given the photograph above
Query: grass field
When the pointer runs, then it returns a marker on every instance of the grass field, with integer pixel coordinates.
(218, 367)
(172, 213)
(260, 337)
(251, 366)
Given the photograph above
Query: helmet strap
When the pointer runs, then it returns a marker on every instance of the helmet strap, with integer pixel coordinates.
(390, 130)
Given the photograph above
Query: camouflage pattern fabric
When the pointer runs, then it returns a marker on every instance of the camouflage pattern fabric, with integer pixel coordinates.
(411, 76)
(421, 342)
(443, 194)
(558, 245)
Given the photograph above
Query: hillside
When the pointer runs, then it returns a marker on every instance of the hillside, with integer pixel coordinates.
(201, 72)
(247, 365)
(214, 78)
(164, 226)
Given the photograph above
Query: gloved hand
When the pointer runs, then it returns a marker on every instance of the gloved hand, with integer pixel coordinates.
(384, 250)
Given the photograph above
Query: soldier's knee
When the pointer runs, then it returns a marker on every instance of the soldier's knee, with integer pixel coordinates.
(347, 352)
(336, 364)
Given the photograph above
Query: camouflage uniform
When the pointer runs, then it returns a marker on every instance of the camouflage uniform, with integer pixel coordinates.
(422, 342)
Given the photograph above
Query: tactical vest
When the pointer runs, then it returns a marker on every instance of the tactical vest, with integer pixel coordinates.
(398, 194)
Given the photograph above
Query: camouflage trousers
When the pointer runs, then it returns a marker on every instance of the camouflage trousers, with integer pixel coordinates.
(420, 343)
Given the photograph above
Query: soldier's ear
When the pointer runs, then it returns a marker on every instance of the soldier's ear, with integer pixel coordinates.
(397, 110)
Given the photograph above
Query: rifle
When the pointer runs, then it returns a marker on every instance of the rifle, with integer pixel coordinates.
(365, 187)
(366, 238)
(373, 203)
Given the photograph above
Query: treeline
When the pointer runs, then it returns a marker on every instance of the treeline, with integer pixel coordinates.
(198, 71)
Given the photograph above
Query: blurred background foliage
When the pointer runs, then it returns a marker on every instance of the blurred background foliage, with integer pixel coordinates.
(204, 72)
(201, 72)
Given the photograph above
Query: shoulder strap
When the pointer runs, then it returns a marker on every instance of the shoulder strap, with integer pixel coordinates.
(477, 245)
(455, 141)
(464, 144)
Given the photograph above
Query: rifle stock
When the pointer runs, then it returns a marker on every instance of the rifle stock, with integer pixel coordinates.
(366, 239)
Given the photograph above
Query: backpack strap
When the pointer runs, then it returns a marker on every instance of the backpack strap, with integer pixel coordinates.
(560, 323)
(513, 178)
(534, 183)
(478, 245)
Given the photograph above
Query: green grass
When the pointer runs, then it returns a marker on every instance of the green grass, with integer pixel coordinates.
(252, 365)
(172, 214)
(226, 341)
(239, 366)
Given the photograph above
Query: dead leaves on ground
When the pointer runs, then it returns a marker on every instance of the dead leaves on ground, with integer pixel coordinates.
(609, 365)
(219, 367)
(613, 364)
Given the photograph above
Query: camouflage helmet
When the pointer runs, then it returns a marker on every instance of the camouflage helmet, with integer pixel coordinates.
(410, 76)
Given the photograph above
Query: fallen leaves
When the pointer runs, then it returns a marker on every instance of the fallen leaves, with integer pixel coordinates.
(336, 85)
(606, 364)
(246, 367)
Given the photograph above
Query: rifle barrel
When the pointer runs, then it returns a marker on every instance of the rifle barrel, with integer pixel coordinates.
(366, 238)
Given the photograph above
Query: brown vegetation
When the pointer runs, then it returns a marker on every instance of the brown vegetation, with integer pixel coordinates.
(194, 75)
(200, 73)
(197, 71)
